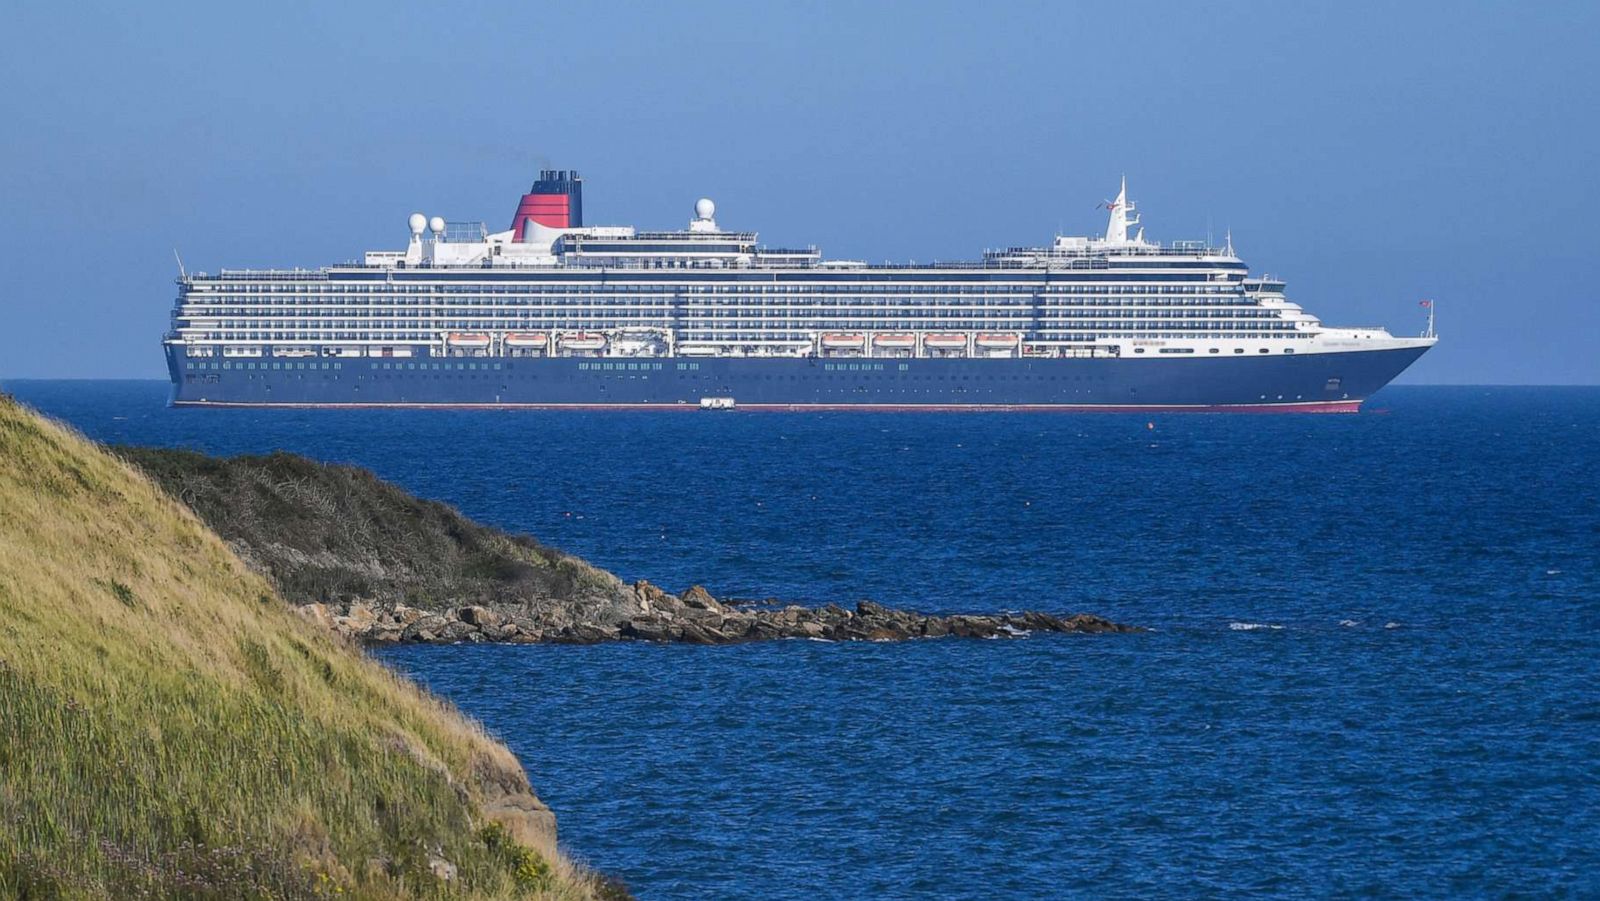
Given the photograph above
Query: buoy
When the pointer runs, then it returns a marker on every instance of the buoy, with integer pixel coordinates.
(1150, 425)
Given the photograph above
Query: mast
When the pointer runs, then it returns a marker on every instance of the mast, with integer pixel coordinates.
(1120, 221)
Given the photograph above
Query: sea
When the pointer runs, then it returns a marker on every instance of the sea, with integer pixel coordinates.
(1372, 666)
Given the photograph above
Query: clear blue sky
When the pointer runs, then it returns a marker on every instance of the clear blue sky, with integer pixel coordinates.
(1371, 154)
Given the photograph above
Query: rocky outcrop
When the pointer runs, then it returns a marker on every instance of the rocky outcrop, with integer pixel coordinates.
(694, 617)
(368, 560)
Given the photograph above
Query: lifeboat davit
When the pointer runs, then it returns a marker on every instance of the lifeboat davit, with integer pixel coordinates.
(895, 341)
(582, 341)
(945, 342)
(527, 339)
(998, 341)
(471, 340)
(842, 341)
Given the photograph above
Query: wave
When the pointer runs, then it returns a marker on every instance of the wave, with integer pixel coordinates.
(1253, 627)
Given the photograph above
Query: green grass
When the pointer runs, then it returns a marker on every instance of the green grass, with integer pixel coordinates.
(169, 729)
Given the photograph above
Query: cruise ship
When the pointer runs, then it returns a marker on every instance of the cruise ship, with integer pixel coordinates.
(554, 313)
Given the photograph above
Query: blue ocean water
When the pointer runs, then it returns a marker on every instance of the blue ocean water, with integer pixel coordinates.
(1372, 671)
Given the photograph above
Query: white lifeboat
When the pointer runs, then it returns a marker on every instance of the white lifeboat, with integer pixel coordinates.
(896, 341)
(837, 341)
(582, 341)
(527, 339)
(469, 340)
(998, 341)
(945, 342)
(697, 350)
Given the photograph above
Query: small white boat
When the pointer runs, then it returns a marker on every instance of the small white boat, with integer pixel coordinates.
(468, 340)
(716, 403)
(945, 342)
(697, 350)
(896, 341)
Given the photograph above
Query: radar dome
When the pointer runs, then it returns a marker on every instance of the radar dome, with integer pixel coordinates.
(418, 223)
(436, 225)
(704, 208)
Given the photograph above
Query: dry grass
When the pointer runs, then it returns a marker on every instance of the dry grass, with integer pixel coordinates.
(168, 728)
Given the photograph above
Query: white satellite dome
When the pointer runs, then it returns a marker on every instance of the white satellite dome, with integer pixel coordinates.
(418, 223)
(436, 225)
(704, 208)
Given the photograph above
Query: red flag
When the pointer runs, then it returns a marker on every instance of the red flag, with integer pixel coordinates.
(1426, 303)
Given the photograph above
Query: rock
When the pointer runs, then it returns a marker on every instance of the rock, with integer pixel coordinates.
(361, 617)
(695, 634)
(645, 629)
(710, 619)
(318, 614)
(408, 615)
(458, 631)
(588, 633)
(429, 625)
(695, 617)
(482, 617)
(869, 608)
(649, 596)
(384, 635)
(699, 598)
(1085, 622)
(1039, 622)
(973, 627)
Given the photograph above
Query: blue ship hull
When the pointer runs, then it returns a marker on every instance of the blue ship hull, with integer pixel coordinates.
(1324, 382)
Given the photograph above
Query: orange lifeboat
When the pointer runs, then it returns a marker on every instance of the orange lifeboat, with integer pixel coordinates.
(945, 342)
(527, 339)
(469, 340)
(842, 341)
(582, 341)
(895, 342)
(999, 341)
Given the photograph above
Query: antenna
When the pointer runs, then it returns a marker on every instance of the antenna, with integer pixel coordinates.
(181, 273)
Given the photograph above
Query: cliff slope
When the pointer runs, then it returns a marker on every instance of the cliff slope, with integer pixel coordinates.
(169, 728)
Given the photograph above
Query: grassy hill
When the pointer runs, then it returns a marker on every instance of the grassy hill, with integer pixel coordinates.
(331, 534)
(170, 729)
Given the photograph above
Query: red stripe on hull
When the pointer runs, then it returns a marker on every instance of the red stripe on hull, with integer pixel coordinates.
(1343, 406)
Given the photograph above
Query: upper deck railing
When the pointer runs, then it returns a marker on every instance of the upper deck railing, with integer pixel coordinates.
(1016, 258)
